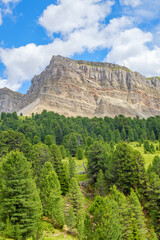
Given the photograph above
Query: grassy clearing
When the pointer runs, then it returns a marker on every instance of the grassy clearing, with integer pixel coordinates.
(148, 157)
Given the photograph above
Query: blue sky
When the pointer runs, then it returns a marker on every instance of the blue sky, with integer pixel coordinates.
(126, 32)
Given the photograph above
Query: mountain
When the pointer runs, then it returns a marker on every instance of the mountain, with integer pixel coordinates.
(9, 100)
(91, 89)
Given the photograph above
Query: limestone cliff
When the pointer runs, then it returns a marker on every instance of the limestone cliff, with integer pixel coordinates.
(90, 89)
(9, 100)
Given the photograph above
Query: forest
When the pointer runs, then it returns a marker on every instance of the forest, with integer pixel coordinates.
(79, 178)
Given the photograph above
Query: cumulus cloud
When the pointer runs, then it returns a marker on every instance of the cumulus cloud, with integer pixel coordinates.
(71, 15)
(131, 50)
(82, 26)
(24, 62)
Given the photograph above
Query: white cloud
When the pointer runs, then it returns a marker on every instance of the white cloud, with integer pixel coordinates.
(9, 1)
(82, 26)
(71, 15)
(131, 50)
(24, 62)
(132, 3)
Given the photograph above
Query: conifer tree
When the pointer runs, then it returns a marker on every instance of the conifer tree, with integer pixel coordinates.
(100, 186)
(72, 168)
(20, 203)
(40, 155)
(56, 160)
(139, 229)
(51, 195)
(79, 154)
(97, 159)
(154, 201)
(75, 196)
(80, 225)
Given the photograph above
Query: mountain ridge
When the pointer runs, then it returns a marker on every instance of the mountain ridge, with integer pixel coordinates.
(76, 87)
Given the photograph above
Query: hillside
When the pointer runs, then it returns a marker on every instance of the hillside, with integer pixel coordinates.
(88, 89)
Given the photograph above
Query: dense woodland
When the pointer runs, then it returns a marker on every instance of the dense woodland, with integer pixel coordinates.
(119, 197)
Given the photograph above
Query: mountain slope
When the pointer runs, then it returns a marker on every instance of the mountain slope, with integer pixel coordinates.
(91, 89)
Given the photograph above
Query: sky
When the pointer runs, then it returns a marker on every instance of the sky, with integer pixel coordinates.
(125, 32)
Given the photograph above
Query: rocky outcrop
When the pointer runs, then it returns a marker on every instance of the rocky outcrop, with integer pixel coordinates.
(91, 89)
(9, 100)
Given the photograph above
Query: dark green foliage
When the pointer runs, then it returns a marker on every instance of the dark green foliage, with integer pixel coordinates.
(79, 154)
(129, 168)
(155, 166)
(20, 209)
(10, 140)
(56, 160)
(71, 142)
(97, 159)
(154, 201)
(146, 146)
(40, 155)
(50, 192)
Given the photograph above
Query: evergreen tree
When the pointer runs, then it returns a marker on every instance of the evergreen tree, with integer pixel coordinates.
(63, 151)
(102, 221)
(153, 138)
(129, 168)
(71, 219)
(56, 160)
(139, 230)
(40, 155)
(49, 140)
(75, 196)
(155, 166)
(80, 225)
(154, 201)
(79, 154)
(97, 159)
(100, 186)
(51, 195)
(20, 203)
(146, 146)
(72, 168)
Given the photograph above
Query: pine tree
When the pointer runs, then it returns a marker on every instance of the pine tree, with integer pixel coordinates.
(20, 202)
(71, 219)
(75, 196)
(102, 221)
(79, 154)
(72, 168)
(137, 217)
(97, 159)
(40, 155)
(56, 160)
(80, 225)
(154, 201)
(100, 186)
(51, 195)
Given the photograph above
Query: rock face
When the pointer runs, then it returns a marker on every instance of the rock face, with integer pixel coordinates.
(80, 88)
(9, 100)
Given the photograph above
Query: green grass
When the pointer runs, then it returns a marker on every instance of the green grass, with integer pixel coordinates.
(148, 157)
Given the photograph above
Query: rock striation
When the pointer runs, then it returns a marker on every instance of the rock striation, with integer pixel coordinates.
(80, 88)
(9, 100)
